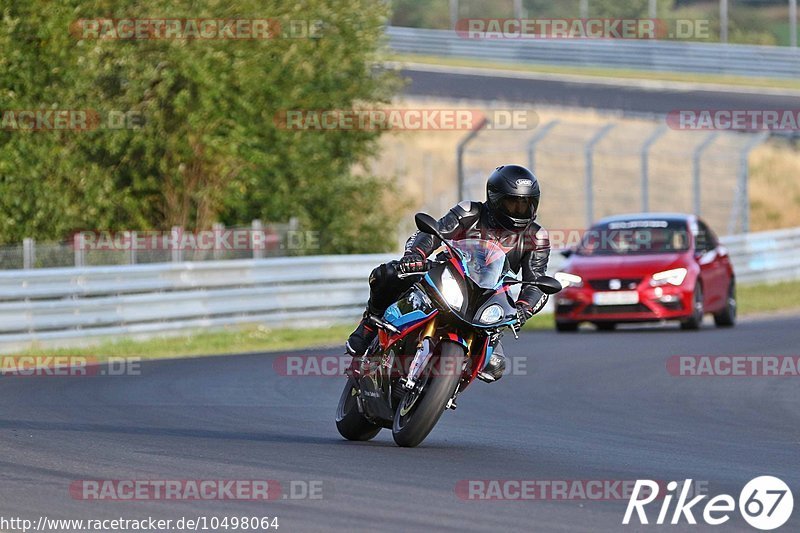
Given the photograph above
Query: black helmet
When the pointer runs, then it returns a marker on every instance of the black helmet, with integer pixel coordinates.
(512, 193)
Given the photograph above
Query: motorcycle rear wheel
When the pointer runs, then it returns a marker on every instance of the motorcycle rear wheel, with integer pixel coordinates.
(416, 416)
(349, 421)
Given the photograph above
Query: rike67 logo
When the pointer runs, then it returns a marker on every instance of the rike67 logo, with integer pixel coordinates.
(765, 503)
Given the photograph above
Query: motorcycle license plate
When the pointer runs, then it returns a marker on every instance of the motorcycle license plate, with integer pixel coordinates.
(616, 298)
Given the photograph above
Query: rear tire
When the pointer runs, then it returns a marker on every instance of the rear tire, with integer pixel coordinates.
(727, 317)
(349, 421)
(694, 321)
(412, 423)
(566, 327)
(606, 326)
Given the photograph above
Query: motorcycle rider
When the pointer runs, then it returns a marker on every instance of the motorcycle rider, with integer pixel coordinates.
(507, 217)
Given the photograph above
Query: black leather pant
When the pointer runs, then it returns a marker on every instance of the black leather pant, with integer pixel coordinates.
(385, 287)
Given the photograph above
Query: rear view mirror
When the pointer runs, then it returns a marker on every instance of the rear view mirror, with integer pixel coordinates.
(546, 284)
(427, 224)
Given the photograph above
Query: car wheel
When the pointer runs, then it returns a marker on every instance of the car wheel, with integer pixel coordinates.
(694, 321)
(566, 327)
(605, 326)
(727, 317)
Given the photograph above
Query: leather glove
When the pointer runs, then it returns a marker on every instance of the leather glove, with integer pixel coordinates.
(412, 263)
(524, 312)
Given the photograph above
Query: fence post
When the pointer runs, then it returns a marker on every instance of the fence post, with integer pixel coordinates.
(462, 145)
(217, 228)
(78, 244)
(175, 244)
(723, 21)
(453, 14)
(28, 253)
(257, 244)
(696, 161)
(646, 165)
(742, 204)
(589, 176)
(534, 140)
(133, 251)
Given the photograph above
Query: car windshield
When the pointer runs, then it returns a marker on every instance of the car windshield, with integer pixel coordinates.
(635, 237)
(484, 262)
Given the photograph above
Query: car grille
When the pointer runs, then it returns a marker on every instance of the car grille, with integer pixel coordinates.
(614, 309)
(568, 308)
(672, 306)
(625, 284)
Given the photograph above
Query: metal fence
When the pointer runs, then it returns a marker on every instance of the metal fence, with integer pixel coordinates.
(649, 55)
(77, 305)
(88, 248)
(591, 170)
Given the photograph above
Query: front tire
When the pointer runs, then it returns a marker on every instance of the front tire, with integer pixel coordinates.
(418, 413)
(566, 327)
(349, 421)
(605, 326)
(694, 321)
(727, 317)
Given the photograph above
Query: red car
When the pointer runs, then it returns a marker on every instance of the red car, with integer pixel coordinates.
(643, 268)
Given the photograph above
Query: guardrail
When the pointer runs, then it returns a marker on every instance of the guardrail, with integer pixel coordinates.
(708, 58)
(81, 304)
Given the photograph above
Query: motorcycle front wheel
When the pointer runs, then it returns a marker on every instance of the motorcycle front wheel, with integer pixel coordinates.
(421, 408)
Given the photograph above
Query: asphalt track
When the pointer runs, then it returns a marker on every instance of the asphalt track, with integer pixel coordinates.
(592, 406)
(622, 97)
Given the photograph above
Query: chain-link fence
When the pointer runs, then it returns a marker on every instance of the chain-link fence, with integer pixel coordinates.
(594, 170)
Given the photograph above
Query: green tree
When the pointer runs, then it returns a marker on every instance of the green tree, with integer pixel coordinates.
(206, 147)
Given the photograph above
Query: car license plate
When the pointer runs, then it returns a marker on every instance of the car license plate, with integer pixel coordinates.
(616, 298)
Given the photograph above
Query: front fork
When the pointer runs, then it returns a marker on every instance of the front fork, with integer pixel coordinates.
(422, 356)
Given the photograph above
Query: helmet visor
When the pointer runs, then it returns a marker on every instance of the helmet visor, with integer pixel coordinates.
(518, 206)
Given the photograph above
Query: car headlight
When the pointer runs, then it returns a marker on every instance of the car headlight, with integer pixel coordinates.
(569, 280)
(673, 277)
(493, 313)
(451, 290)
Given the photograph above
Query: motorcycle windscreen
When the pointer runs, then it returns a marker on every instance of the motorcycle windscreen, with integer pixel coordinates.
(484, 262)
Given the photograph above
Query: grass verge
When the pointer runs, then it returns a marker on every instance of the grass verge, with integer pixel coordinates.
(740, 81)
(258, 338)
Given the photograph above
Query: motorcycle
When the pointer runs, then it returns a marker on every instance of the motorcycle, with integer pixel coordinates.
(432, 342)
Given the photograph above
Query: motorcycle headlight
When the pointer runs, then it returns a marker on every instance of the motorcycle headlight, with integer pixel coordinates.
(451, 290)
(673, 277)
(493, 313)
(569, 280)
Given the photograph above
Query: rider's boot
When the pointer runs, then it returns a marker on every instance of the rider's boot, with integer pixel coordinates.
(496, 367)
(364, 334)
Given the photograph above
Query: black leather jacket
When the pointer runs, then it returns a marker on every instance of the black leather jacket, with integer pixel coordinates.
(528, 249)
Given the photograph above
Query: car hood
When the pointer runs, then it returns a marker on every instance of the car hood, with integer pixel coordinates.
(626, 266)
